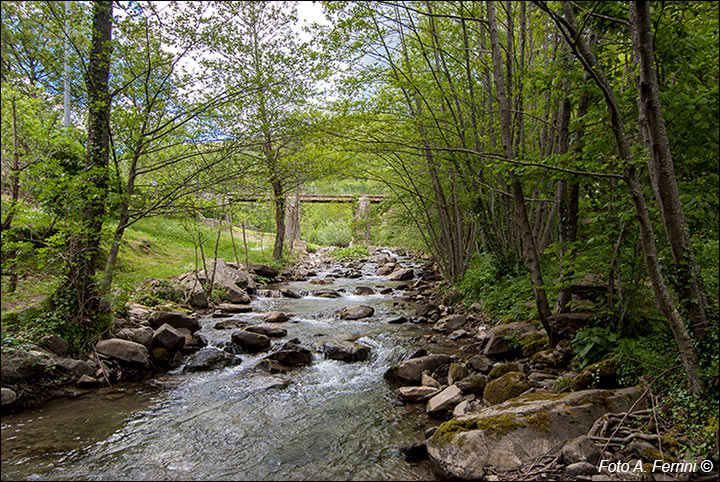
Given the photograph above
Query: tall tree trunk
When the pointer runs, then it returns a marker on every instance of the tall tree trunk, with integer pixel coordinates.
(568, 25)
(84, 251)
(521, 218)
(279, 198)
(687, 281)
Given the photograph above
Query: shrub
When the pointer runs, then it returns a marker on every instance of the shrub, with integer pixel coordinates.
(347, 254)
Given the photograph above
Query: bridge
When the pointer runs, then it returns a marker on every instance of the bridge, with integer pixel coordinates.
(294, 200)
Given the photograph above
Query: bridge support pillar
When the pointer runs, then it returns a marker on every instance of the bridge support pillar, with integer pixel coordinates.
(292, 218)
(362, 219)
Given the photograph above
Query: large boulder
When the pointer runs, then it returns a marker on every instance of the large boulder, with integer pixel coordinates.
(210, 358)
(326, 293)
(233, 308)
(76, 367)
(176, 319)
(450, 323)
(124, 351)
(291, 355)
(444, 401)
(503, 340)
(275, 317)
(356, 312)
(506, 387)
(264, 271)
(347, 352)
(401, 274)
(474, 383)
(234, 281)
(142, 335)
(267, 330)
(25, 363)
(249, 341)
(513, 434)
(416, 394)
(409, 372)
(7, 396)
(168, 337)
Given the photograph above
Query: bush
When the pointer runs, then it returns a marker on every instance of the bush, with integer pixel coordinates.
(336, 233)
(347, 254)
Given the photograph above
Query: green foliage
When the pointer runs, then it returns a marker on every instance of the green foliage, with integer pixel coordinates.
(593, 343)
(334, 233)
(695, 418)
(157, 293)
(348, 254)
(503, 292)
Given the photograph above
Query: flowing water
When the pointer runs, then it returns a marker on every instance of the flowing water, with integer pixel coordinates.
(328, 421)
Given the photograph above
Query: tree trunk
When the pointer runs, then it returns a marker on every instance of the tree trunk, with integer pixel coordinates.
(686, 281)
(279, 198)
(84, 250)
(687, 352)
(528, 243)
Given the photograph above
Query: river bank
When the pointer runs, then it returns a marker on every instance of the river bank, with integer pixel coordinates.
(359, 369)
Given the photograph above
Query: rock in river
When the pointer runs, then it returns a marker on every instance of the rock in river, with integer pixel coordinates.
(513, 434)
(249, 341)
(356, 312)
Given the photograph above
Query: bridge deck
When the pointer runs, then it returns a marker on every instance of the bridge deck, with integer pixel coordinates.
(311, 198)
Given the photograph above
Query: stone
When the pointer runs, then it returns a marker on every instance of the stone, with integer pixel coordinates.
(234, 295)
(444, 401)
(515, 433)
(461, 408)
(292, 355)
(7, 396)
(398, 320)
(500, 369)
(168, 337)
(550, 358)
(480, 363)
(25, 363)
(210, 358)
(290, 294)
(416, 394)
(264, 271)
(603, 374)
(427, 380)
(347, 352)
(506, 387)
(86, 381)
(423, 309)
(503, 340)
(321, 281)
(456, 372)
(176, 319)
(457, 334)
(227, 324)
(275, 317)
(401, 274)
(410, 371)
(581, 468)
(414, 452)
(356, 312)
(474, 383)
(249, 341)
(364, 290)
(580, 449)
(450, 323)
(142, 335)
(326, 293)
(268, 330)
(55, 344)
(124, 351)
(77, 367)
(386, 269)
(234, 308)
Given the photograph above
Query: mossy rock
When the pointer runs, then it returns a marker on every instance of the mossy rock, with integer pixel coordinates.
(603, 374)
(534, 346)
(474, 383)
(502, 368)
(506, 387)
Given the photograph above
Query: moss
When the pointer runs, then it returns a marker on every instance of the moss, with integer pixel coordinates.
(506, 387)
(503, 368)
(447, 430)
(538, 395)
(540, 421)
(653, 454)
(500, 424)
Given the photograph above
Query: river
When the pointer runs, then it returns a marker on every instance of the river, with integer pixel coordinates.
(327, 421)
